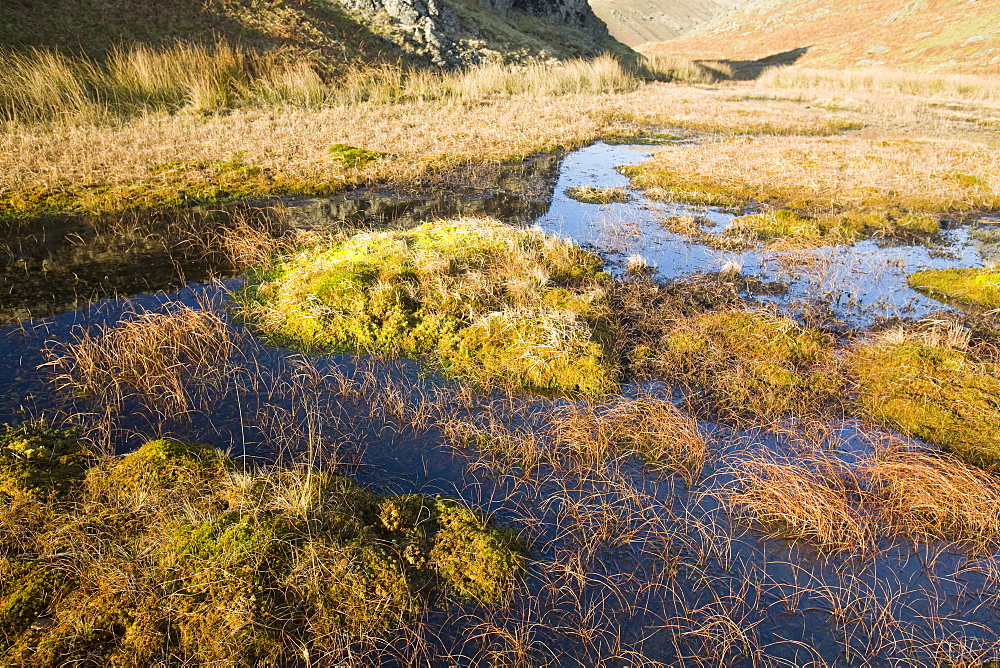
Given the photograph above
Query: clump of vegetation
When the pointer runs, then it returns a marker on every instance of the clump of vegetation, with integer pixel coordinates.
(654, 429)
(172, 554)
(963, 286)
(837, 505)
(932, 389)
(595, 195)
(170, 361)
(38, 461)
(808, 500)
(485, 301)
(933, 496)
(353, 156)
(753, 363)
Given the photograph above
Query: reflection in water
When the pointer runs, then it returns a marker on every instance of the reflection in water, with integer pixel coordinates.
(54, 264)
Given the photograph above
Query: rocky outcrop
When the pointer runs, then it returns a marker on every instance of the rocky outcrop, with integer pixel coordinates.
(566, 12)
(432, 29)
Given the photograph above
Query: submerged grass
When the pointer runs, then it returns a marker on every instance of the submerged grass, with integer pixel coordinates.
(837, 505)
(807, 500)
(496, 304)
(653, 429)
(977, 287)
(931, 389)
(171, 553)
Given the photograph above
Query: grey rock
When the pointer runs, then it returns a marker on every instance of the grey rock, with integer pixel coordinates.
(432, 28)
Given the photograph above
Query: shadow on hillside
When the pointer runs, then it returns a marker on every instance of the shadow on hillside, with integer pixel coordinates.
(96, 27)
(748, 70)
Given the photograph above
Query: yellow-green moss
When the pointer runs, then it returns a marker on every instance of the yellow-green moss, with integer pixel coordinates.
(963, 286)
(39, 460)
(932, 392)
(158, 465)
(753, 363)
(828, 228)
(485, 301)
(234, 567)
(352, 156)
(475, 564)
(594, 195)
(25, 593)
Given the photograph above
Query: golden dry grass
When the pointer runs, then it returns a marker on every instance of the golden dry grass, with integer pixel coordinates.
(277, 143)
(166, 360)
(811, 500)
(932, 496)
(654, 429)
(832, 173)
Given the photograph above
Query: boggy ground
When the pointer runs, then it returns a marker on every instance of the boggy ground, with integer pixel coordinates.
(712, 470)
(621, 497)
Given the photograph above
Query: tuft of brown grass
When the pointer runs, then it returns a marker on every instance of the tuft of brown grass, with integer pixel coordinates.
(812, 500)
(170, 361)
(654, 429)
(938, 496)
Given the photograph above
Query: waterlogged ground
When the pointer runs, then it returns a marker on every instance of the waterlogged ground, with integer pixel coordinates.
(631, 566)
(859, 283)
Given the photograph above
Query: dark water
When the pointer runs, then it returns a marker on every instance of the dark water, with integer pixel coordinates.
(677, 580)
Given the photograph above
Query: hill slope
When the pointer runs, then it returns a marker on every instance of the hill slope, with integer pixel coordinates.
(331, 32)
(635, 22)
(954, 35)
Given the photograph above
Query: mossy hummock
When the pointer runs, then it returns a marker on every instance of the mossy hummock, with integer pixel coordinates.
(481, 300)
(933, 392)
(976, 287)
(172, 555)
(753, 363)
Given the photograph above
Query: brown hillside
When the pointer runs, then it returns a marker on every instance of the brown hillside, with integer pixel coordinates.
(636, 22)
(953, 35)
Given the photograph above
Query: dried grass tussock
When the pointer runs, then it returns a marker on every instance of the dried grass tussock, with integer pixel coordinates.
(654, 429)
(808, 500)
(930, 496)
(171, 360)
(855, 507)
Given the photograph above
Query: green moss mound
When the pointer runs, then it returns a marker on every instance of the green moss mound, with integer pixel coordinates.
(753, 363)
(353, 156)
(38, 460)
(980, 287)
(491, 303)
(178, 557)
(932, 392)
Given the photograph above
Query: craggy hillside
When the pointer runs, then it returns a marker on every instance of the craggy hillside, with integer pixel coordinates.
(953, 35)
(636, 22)
(331, 32)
